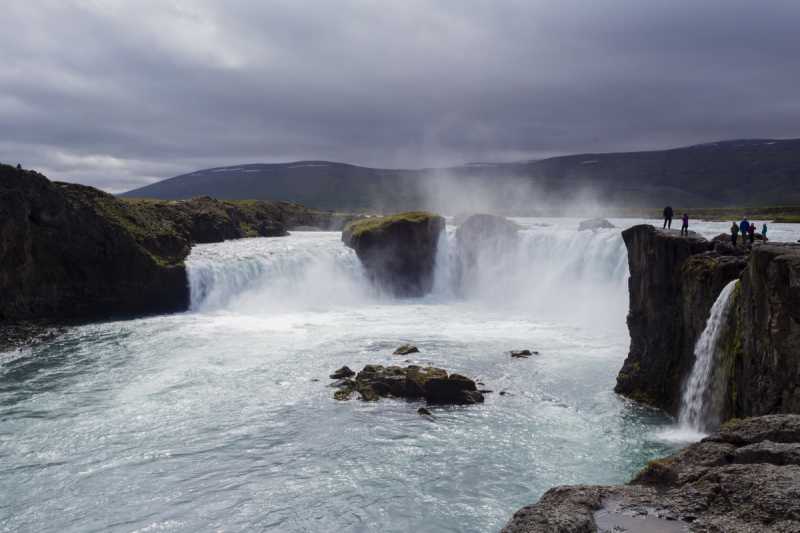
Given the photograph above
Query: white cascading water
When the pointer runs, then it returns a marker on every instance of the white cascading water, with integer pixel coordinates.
(700, 406)
(550, 273)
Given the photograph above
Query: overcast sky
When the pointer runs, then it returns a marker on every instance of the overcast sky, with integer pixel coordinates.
(121, 93)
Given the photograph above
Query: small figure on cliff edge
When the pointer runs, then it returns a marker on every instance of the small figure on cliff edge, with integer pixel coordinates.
(685, 225)
(744, 226)
(764, 232)
(734, 232)
(752, 232)
(19, 166)
(667, 217)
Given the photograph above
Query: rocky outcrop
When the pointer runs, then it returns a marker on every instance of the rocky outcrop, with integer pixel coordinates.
(673, 283)
(69, 250)
(595, 223)
(482, 233)
(413, 382)
(744, 478)
(399, 251)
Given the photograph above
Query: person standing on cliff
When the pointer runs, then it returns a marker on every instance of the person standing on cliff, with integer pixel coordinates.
(685, 225)
(734, 232)
(752, 232)
(744, 226)
(764, 232)
(667, 217)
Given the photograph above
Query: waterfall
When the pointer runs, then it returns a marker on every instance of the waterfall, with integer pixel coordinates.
(700, 406)
(550, 271)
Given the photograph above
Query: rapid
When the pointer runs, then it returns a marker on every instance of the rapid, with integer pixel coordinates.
(219, 418)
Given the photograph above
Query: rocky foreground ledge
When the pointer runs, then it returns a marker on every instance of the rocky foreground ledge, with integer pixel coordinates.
(744, 478)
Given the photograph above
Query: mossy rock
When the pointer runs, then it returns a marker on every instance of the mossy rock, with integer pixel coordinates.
(405, 350)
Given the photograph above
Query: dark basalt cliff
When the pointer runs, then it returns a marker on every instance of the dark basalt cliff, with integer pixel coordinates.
(673, 283)
(69, 250)
(399, 251)
(744, 478)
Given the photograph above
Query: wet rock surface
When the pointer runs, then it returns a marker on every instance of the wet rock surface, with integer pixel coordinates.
(744, 478)
(413, 382)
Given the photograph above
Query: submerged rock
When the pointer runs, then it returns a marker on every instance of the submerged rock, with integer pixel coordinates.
(432, 384)
(405, 350)
(398, 252)
(742, 478)
(594, 223)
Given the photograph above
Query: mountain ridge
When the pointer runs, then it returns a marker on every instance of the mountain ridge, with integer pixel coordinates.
(726, 173)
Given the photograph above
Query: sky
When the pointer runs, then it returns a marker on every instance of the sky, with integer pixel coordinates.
(119, 94)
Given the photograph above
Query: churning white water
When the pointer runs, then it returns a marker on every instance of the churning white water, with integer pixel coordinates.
(219, 419)
(701, 409)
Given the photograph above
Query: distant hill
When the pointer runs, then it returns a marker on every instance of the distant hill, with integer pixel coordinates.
(729, 173)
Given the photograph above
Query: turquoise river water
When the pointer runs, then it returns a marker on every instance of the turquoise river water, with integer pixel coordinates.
(219, 419)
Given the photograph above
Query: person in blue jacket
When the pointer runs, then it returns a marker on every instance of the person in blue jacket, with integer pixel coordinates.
(744, 226)
(764, 231)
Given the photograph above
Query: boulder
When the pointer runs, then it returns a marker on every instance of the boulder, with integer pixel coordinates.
(522, 353)
(594, 223)
(398, 252)
(743, 478)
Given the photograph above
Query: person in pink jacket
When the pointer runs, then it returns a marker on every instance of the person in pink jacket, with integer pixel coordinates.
(685, 226)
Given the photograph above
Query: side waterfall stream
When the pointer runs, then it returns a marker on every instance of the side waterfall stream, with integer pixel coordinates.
(700, 406)
(219, 419)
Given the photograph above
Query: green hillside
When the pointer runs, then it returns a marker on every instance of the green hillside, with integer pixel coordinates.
(730, 173)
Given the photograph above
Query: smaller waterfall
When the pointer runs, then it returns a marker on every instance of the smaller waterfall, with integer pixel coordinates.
(705, 388)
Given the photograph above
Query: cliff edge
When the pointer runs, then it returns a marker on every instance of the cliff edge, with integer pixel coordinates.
(674, 281)
(69, 250)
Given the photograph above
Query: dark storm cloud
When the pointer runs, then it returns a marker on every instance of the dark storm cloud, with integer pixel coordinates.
(117, 93)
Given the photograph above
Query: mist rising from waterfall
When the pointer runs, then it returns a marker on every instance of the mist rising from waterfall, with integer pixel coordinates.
(701, 406)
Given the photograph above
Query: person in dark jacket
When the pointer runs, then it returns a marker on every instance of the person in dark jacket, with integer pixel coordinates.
(744, 225)
(734, 232)
(668, 216)
(685, 225)
(752, 232)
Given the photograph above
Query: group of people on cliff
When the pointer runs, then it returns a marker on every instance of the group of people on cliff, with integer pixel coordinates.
(746, 228)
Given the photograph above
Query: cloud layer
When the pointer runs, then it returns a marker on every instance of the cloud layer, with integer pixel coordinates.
(121, 93)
